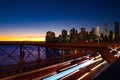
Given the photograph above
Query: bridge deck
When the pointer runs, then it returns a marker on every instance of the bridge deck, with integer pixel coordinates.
(80, 44)
(80, 48)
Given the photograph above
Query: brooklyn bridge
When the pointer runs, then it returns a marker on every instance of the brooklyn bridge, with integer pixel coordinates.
(55, 61)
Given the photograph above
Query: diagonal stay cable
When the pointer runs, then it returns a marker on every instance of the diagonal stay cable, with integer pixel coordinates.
(30, 52)
(9, 55)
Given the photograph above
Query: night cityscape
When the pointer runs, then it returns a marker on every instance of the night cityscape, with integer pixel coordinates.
(59, 39)
(95, 35)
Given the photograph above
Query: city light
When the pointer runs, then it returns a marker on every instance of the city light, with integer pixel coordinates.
(58, 39)
(69, 71)
(84, 75)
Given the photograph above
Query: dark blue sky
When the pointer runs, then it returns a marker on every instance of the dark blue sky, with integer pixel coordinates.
(38, 16)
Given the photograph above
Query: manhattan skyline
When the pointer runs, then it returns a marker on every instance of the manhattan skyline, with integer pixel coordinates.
(31, 19)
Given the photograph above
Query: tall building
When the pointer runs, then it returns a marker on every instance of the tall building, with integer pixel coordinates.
(92, 35)
(93, 30)
(82, 30)
(111, 35)
(83, 35)
(64, 33)
(64, 36)
(116, 25)
(73, 31)
(50, 36)
(98, 31)
(106, 29)
(73, 35)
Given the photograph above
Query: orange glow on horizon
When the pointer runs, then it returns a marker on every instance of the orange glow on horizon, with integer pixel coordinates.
(22, 38)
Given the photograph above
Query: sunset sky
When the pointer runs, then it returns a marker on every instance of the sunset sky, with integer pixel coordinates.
(30, 19)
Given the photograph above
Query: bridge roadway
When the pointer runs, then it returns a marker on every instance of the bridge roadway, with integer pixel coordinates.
(80, 48)
(102, 48)
(57, 45)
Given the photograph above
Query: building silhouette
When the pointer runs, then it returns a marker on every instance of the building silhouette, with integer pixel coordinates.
(83, 34)
(50, 36)
(106, 29)
(110, 35)
(92, 35)
(64, 35)
(95, 35)
(73, 35)
(93, 30)
(116, 27)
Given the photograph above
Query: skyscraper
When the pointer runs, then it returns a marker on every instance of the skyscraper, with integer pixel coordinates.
(106, 29)
(64, 33)
(64, 36)
(50, 36)
(116, 25)
(73, 35)
(93, 30)
(73, 31)
(98, 31)
(82, 30)
(111, 35)
(83, 34)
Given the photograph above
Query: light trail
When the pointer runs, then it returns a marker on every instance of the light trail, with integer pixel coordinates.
(67, 67)
(84, 75)
(69, 71)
